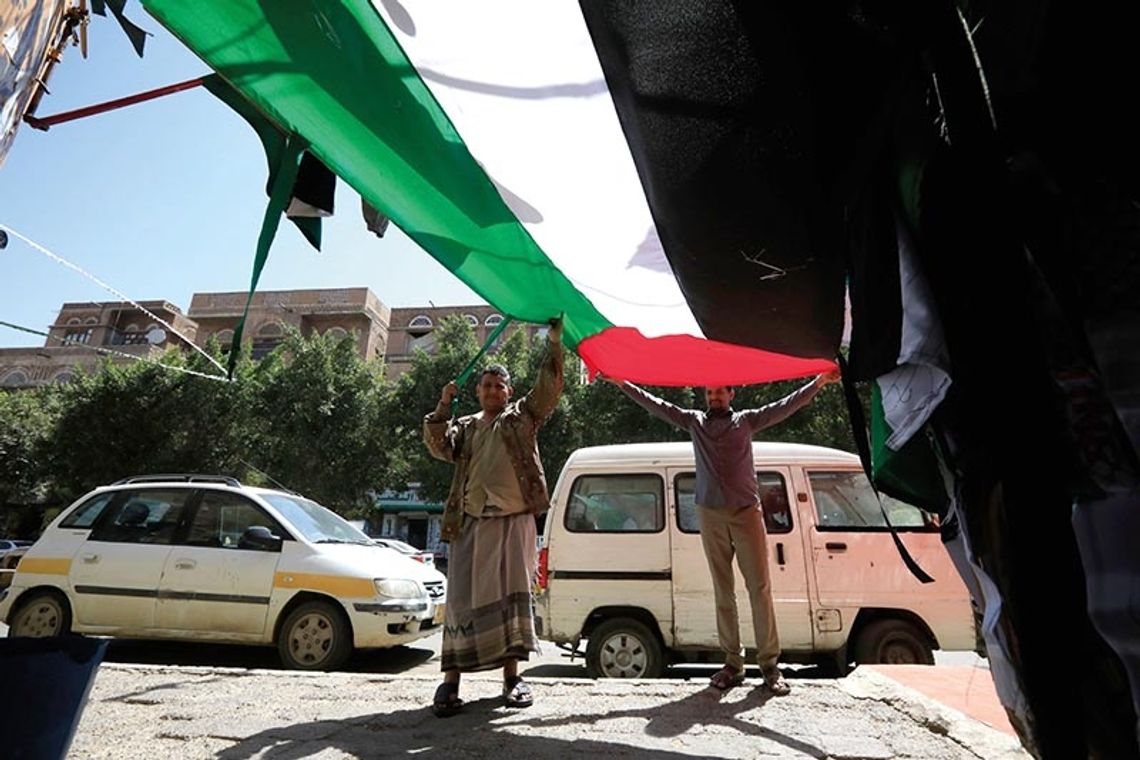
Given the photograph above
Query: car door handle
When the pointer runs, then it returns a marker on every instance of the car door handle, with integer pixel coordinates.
(835, 546)
(780, 553)
(90, 559)
(185, 564)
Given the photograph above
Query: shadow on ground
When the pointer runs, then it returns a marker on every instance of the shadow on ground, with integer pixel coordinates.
(485, 728)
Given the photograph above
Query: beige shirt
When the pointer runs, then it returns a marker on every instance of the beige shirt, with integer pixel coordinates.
(492, 487)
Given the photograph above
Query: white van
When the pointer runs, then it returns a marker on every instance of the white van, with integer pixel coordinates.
(621, 564)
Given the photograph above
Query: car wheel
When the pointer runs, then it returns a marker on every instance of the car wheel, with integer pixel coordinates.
(44, 613)
(315, 636)
(893, 642)
(624, 648)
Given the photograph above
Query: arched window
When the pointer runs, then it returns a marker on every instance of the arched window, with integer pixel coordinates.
(74, 321)
(132, 328)
(225, 337)
(15, 379)
(337, 333)
(92, 321)
(63, 377)
(420, 325)
(493, 320)
(471, 319)
(268, 338)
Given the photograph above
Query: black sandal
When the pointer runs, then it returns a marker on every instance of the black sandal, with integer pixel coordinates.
(446, 701)
(517, 693)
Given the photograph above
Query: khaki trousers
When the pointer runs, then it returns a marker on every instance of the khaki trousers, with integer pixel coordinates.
(726, 531)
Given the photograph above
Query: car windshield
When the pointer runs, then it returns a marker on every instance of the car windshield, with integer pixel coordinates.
(314, 522)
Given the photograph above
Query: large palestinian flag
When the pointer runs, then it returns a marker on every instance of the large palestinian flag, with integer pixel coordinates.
(553, 159)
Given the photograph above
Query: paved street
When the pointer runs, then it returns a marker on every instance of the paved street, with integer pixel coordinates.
(139, 711)
(152, 699)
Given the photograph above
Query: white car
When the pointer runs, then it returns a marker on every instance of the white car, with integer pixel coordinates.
(407, 550)
(205, 558)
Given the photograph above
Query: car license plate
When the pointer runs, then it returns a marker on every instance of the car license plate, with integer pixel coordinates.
(438, 617)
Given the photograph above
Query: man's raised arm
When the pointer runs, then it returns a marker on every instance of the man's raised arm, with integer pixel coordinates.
(658, 407)
(778, 411)
(439, 433)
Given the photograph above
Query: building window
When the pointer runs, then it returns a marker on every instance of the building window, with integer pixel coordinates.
(91, 321)
(15, 379)
(493, 320)
(420, 325)
(337, 333)
(74, 321)
(63, 377)
(268, 338)
(471, 319)
(78, 337)
(425, 343)
(225, 338)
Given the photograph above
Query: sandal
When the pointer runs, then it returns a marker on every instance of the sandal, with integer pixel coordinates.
(727, 677)
(446, 701)
(775, 682)
(517, 693)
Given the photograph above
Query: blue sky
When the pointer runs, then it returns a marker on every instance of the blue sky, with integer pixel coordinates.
(165, 198)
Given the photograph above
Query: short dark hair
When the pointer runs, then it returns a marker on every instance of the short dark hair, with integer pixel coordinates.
(729, 388)
(496, 369)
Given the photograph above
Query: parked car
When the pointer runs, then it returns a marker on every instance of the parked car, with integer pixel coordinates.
(206, 558)
(11, 544)
(406, 549)
(622, 567)
(8, 561)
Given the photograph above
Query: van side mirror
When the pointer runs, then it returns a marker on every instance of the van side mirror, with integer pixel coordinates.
(259, 538)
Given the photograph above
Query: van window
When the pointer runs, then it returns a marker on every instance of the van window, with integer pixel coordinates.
(845, 501)
(143, 517)
(85, 515)
(616, 504)
(773, 497)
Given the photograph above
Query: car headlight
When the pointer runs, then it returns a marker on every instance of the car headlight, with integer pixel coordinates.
(398, 589)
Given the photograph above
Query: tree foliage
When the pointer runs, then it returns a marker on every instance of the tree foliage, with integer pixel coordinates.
(317, 418)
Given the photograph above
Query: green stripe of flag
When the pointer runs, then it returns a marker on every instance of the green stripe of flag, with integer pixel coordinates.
(332, 73)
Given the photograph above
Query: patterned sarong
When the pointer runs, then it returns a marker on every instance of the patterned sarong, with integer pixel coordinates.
(489, 616)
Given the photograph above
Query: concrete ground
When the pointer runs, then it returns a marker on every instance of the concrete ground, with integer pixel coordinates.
(152, 699)
(148, 711)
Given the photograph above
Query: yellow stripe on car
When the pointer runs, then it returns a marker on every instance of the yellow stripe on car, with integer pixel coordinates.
(334, 585)
(44, 566)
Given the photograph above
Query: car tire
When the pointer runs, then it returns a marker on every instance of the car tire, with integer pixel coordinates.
(316, 635)
(893, 642)
(42, 613)
(624, 648)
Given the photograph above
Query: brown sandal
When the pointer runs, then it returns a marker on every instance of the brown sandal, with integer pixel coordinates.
(727, 677)
(446, 701)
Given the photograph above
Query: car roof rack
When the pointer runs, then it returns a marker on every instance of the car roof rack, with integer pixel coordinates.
(180, 478)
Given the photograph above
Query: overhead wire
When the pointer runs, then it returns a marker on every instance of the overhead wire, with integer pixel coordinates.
(122, 296)
(112, 352)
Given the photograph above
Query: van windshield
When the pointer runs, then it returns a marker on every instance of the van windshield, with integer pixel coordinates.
(314, 522)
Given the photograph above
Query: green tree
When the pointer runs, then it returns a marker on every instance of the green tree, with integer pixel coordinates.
(27, 420)
(315, 419)
(142, 418)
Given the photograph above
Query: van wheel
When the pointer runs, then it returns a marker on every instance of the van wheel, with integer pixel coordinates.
(315, 636)
(893, 642)
(624, 648)
(44, 613)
